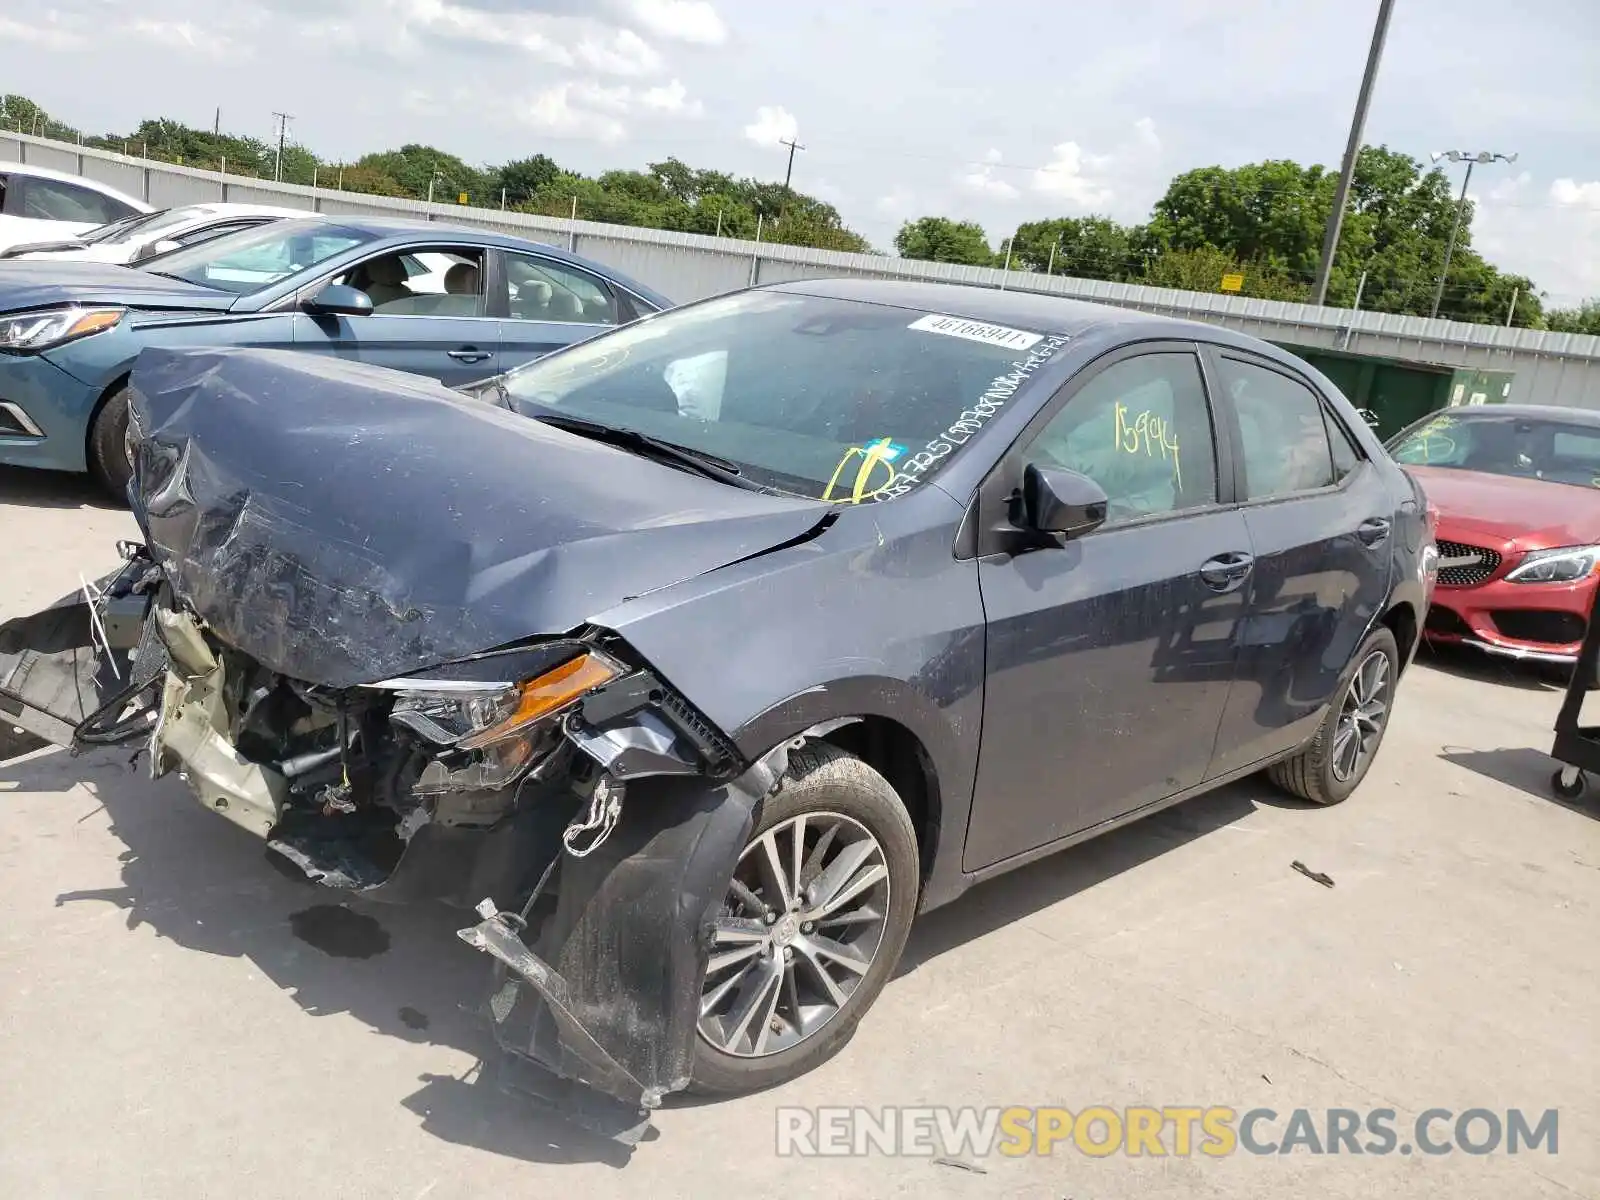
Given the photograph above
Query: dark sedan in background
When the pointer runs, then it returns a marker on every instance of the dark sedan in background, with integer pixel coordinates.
(1518, 493)
(714, 648)
(454, 304)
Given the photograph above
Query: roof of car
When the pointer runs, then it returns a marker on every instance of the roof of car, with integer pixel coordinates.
(16, 168)
(403, 227)
(1553, 412)
(1026, 310)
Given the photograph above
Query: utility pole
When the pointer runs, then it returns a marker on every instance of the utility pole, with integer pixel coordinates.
(283, 132)
(793, 146)
(1472, 160)
(1352, 150)
(216, 124)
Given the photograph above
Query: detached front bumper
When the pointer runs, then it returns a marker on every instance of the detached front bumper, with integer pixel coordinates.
(1537, 622)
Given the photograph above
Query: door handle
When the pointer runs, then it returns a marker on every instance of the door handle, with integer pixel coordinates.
(470, 354)
(1227, 571)
(1373, 530)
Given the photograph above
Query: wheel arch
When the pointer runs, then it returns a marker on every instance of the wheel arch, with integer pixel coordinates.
(110, 390)
(1401, 620)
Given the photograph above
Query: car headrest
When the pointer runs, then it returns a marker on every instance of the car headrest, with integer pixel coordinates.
(461, 280)
(390, 272)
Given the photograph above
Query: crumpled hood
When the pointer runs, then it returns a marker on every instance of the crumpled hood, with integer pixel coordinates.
(35, 282)
(342, 523)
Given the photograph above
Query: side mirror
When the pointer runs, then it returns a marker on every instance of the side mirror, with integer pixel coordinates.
(340, 299)
(152, 249)
(1056, 500)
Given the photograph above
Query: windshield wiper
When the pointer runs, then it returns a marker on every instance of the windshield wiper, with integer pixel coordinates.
(698, 461)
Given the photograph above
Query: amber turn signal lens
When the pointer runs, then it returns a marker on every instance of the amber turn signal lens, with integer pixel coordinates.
(540, 697)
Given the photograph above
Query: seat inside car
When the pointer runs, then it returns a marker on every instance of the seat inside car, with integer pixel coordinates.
(383, 279)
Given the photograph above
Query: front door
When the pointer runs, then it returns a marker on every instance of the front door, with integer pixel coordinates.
(1110, 658)
(1319, 517)
(429, 316)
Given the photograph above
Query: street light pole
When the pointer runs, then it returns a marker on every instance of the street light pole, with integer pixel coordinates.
(1352, 150)
(1472, 160)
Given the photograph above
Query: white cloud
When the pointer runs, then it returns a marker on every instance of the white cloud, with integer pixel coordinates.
(900, 202)
(46, 33)
(1078, 178)
(1144, 130)
(589, 109)
(682, 20)
(672, 98)
(981, 179)
(576, 110)
(1569, 191)
(185, 36)
(622, 53)
(771, 126)
(1550, 234)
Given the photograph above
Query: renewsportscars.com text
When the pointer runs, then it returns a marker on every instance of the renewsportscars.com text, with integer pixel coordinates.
(1179, 1131)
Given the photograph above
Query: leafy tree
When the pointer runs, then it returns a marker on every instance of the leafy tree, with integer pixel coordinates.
(1090, 247)
(939, 239)
(413, 166)
(1583, 319)
(522, 178)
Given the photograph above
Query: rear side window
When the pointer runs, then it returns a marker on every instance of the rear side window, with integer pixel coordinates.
(542, 290)
(1346, 457)
(1283, 431)
(52, 200)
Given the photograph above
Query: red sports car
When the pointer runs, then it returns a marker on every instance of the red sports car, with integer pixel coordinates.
(1517, 489)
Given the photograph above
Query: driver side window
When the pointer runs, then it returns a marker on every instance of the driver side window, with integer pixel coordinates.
(1141, 429)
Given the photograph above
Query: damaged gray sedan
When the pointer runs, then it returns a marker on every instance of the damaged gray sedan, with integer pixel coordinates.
(700, 656)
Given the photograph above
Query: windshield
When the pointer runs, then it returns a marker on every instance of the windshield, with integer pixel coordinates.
(121, 228)
(256, 258)
(155, 223)
(1505, 444)
(832, 399)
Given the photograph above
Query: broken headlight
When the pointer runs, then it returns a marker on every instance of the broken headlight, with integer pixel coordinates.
(489, 731)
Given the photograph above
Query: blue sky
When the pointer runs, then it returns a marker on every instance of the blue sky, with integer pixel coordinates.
(1000, 111)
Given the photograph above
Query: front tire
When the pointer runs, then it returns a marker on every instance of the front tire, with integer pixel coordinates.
(108, 446)
(1347, 742)
(813, 927)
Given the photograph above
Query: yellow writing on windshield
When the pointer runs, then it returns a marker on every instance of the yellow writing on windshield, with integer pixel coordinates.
(876, 455)
(1149, 434)
(1430, 443)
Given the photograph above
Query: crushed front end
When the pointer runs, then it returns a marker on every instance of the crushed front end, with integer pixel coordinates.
(587, 811)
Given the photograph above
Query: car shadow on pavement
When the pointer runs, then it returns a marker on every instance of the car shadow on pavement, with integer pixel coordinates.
(1019, 894)
(1527, 770)
(209, 886)
(1466, 663)
(51, 489)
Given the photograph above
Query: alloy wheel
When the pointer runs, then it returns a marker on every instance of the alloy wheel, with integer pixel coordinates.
(1361, 717)
(799, 931)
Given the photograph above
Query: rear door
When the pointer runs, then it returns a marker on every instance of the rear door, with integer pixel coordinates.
(1320, 519)
(1109, 657)
(549, 304)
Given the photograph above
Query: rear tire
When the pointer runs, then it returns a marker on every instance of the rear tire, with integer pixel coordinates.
(108, 447)
(830, 789)
(1325, 772)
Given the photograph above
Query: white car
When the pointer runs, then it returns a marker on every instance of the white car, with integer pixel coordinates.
(40, 205)
(145, 235)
